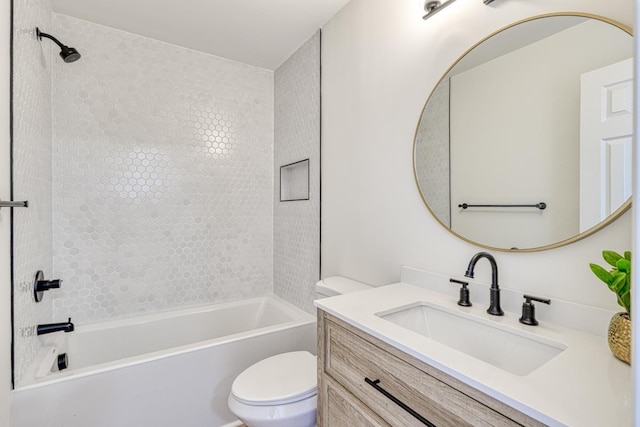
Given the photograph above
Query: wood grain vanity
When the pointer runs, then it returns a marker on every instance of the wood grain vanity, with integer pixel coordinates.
(360, 376)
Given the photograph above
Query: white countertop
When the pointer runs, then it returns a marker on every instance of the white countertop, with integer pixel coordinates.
(585, 385)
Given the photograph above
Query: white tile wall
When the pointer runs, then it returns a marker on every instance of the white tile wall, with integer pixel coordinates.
(432, 154)
(297, 137)
(163, 178)
(163, 166)
(31, 175)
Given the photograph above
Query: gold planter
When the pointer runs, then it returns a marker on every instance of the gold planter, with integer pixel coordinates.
(620, 337)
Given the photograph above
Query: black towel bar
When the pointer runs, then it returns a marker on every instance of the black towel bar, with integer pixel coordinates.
(542, 206)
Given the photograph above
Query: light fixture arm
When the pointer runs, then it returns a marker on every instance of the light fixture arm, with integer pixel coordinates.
(431, 7)
(434, 6)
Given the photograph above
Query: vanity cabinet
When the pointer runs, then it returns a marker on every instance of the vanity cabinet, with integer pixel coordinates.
(366, 382)
(345, 409)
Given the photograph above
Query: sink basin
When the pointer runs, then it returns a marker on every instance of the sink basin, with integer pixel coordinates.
(502, 346)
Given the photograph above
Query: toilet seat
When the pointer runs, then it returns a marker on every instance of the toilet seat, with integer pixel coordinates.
(278, 380)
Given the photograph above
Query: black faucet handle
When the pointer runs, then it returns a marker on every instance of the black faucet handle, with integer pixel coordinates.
(41, 285)
(529, 310)
(529, 298)
(45, 285)
(464, 293)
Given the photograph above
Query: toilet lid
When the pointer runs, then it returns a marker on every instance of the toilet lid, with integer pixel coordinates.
(284, 378)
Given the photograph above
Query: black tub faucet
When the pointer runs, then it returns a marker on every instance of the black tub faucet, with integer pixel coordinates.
(48, 328)
(494, 292)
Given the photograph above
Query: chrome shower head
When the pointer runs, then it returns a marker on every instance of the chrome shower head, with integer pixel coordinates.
(68, 54)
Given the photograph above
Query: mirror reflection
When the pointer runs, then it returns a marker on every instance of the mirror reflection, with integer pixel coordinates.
(539, 113)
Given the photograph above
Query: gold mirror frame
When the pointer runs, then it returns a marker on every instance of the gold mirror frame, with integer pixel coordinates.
(611, 218)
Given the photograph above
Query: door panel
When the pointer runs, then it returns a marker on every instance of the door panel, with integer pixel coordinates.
(606, 135)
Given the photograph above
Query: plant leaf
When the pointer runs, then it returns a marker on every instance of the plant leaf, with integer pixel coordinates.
(623, 265)
(618, 278)
(611, 257)
(624, 287)
(618, 283)
(625, 301)
(601, 273)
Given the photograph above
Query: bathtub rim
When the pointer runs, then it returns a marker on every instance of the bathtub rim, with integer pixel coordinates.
(135, 319)
(58, 341)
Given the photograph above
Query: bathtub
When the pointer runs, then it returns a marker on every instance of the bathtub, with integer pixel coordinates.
(172, 369)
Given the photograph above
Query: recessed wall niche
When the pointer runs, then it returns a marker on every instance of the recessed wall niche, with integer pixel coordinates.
(294, 181)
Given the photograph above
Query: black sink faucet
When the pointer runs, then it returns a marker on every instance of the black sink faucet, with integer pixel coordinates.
(55, 327)
(494, 292)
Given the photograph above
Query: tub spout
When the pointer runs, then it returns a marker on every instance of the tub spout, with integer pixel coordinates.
(55, 327)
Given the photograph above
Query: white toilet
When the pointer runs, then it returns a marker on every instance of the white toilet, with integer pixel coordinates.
(281, 391)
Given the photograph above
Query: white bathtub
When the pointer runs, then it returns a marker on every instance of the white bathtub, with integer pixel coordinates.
(166, 370)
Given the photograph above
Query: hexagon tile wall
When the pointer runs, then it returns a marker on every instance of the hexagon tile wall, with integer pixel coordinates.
(297, 137)
(433, 131)
(31, 176)
(163, 176)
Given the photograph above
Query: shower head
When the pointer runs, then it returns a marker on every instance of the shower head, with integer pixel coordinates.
(68, 54)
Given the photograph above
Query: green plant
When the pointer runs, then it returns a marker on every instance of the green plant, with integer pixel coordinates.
(618, 278)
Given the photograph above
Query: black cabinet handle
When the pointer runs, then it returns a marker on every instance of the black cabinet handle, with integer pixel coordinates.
(376, 384)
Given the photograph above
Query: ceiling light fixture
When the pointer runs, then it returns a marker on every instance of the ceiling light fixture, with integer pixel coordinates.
(433, 6)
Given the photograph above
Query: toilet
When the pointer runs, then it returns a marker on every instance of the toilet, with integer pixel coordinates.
(281, 391)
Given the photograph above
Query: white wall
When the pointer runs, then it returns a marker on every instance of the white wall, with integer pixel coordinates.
(380, 63)
(523, 116)
(5, 225)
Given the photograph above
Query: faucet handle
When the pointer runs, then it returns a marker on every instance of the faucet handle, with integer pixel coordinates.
(464, 293)
(529, 310)
(45, 285)
(41, 285)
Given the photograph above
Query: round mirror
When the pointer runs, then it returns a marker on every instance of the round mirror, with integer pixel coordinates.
(525, 143)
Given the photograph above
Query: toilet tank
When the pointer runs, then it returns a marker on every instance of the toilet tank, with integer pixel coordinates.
(337, 285)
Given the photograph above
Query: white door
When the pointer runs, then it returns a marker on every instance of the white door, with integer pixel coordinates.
(606, 135)
(5, 226)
